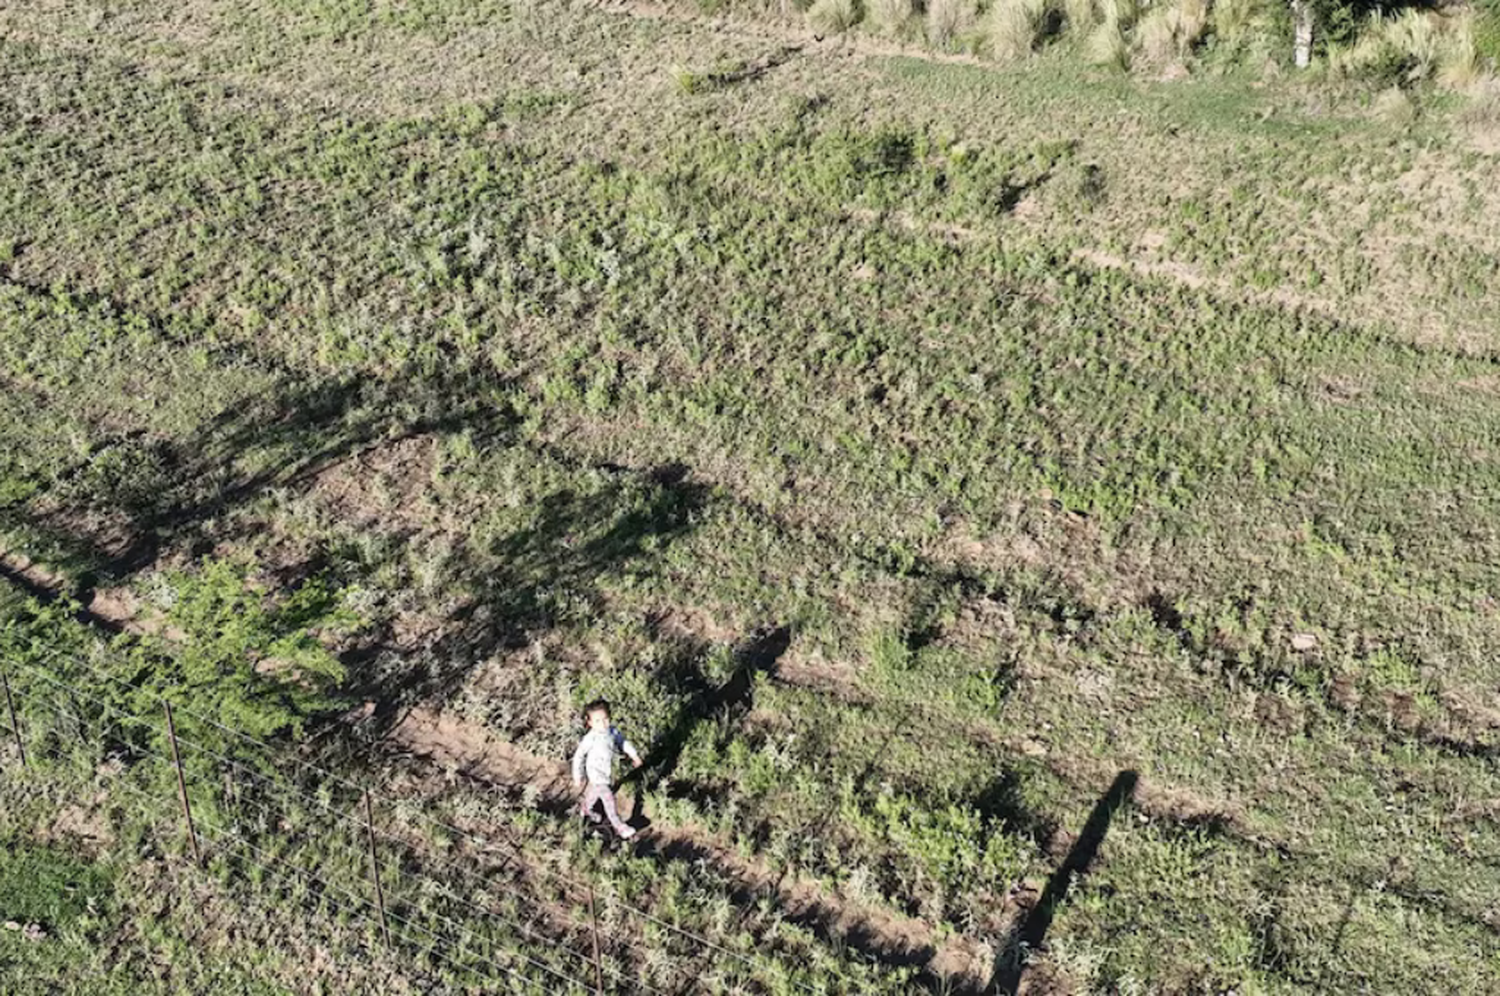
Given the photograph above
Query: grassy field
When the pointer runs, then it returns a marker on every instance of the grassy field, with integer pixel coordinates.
(960, 477)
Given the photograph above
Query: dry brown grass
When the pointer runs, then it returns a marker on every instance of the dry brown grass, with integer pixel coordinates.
(1014, 26)
(1171, 31)
(833, 17)
(1121, 13)
(1483, 108)
(947, 20)
(890, 17)
(1106, 46)
(1394, 107)
(1459, 66)
(1081, 16)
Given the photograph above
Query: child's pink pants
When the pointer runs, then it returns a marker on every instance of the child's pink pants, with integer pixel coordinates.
(602, 793)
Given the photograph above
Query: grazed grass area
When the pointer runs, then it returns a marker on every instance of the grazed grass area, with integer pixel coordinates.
(1041, 407)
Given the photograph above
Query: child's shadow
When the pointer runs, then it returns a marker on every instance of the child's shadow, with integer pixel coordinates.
(725, 705)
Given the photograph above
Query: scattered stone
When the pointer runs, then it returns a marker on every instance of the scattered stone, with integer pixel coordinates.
(12, 925)
(34, 932)
(1304, 641)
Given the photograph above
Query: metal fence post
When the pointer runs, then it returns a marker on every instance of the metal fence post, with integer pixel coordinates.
(385, 928)
(15, 725)
(594, 929)
(187, 810)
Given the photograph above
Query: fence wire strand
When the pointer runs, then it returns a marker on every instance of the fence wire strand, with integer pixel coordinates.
(637, 946)
(641, 913)
(150, 805)
(359, 824)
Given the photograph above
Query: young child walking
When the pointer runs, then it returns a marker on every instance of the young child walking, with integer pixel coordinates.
(595, 759)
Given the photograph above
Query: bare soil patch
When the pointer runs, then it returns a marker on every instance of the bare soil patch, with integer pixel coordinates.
(86, 823)
(381, 487)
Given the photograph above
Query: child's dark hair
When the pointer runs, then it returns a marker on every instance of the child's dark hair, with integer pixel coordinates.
(598, 705)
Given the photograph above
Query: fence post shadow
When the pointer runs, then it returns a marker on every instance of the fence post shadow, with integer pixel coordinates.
(1030, 931)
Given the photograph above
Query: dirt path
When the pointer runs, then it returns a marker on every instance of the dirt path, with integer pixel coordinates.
(450, 741)
(961, 963)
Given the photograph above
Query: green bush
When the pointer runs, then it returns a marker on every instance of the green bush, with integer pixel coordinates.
(219, 649)
(956, 846)
(252, 664)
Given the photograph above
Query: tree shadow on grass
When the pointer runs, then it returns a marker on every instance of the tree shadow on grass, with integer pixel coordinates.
(135, 498)
(113, 512)
(1004, 802)
(530, 580)
(724, 704)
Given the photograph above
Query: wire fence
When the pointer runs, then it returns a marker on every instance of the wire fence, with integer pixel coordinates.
(244, 806)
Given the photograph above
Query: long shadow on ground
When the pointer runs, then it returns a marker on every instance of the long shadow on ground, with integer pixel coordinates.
(723, 705)
(575, 541)
(177, 492)
(1031, 932)
(135, 497)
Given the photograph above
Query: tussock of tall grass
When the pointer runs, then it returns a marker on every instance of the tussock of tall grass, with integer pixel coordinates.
(1193, 19)
(1015, 27)
(1459, 66)
(1409, 48)
(1418, 36)
(1234, 19)
(1156, 36)
(1081, 16)
(1106, 46)
(1121, 13)
(1170, 31)
(889, 17)
(947, 20)
(833, 17)
(1245, 30)
(1103, 33)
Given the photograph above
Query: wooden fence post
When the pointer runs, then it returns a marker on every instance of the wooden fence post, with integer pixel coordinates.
(385, 928)
(594, 929)
(15, 725)
(187, 810)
